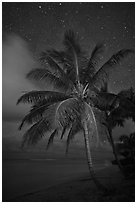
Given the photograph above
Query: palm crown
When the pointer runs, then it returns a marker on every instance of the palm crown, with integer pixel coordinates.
(125, 108)
(77, 100)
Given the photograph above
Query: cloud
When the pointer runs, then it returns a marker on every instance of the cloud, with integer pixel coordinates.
(17, 60)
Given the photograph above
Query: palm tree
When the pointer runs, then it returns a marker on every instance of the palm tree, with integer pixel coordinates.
(121, 107)
(70, 106)
(126, 148)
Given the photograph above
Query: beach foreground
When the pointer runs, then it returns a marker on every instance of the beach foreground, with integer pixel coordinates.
(84, 190)
(63, 180)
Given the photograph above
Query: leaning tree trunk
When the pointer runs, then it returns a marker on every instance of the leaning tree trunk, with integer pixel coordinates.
(89, 158)
(114, 150)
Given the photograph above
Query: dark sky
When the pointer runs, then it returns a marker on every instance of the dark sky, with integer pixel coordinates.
(29, 28)
(42, 25)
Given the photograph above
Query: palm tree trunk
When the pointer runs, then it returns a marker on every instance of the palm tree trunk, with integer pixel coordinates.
(89, 158)
(114, 150)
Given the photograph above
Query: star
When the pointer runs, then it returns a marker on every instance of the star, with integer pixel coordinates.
(114, 38)
(82, 37)
(101, 6)
(88, 18)
(62, 21)
(40, 7)
(102, 27)
(110, 45)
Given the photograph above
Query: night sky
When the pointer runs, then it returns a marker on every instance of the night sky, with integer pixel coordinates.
(40, 26)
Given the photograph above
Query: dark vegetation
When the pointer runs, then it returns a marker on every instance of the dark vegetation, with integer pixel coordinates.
(126, 150)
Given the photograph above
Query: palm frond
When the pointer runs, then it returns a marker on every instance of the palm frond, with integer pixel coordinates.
(63, 132)
(40, 111)
(126, 110)
(118, 116)
(129, 94)
(48, 77)
(68, 111)
(71, 41)
(74, 129)
(127, 103)
(72, 45)
(120, 122)
(105, 101)
(83, 73)
(37, 96)
(126, 107)
(68, 139)
(36, 132)
(63, 58)
(115, 59)
(104, 88)
(101, 76)
(56, 68)
(95, 58)
(113, 121)
(51, 138)
(59, 56)
(42, 100)
(34, 115)
(101, 119)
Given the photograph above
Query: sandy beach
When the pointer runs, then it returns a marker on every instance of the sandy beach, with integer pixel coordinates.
(52, 179)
